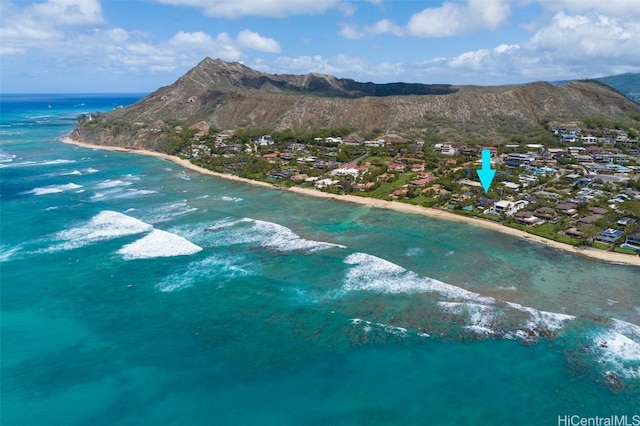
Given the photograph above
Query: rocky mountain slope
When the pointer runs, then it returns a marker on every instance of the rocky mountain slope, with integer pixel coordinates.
(230, 95)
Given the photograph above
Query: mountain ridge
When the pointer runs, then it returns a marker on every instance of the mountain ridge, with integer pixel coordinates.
(230, 96)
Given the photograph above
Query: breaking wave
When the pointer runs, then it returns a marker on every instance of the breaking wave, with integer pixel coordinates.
(159, 243)
(371, 273)
(618, 349)
(52, 189)
(105, 225)
(264, 234)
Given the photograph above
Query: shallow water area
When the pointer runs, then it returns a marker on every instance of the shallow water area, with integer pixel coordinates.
(136, 292)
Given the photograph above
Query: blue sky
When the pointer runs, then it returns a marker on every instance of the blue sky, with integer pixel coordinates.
(75, 46)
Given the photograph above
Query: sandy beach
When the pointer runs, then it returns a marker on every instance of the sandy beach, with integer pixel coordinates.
(606, 256)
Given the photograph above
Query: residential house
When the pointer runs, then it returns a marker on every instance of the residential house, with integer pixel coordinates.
(400, 193)
(448, 149)
(396, 167)
(569, 138)
(419, 182)
(484, 202)
(589, 220)
(346, 171)
(633, 239)
(609, 235)
(528, 218)
(546, 213)
(426, 175)
(323, 183)
(385, 177)
(418, 167)
(507, 207)
(493, 149)
(567, 208)
(573, 232)
(264, 140)
(363, 186)
(598, 210)
(625, 221)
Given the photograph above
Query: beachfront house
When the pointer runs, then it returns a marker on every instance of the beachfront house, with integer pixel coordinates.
(609, 235)
(528, 218)
(633, 239)
(506, 207)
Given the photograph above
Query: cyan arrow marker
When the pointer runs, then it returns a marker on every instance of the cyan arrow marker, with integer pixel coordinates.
(485, 173)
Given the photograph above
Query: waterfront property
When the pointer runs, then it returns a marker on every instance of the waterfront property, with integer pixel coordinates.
(609, 235)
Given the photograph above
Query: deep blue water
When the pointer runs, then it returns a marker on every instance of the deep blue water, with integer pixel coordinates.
(135, 292)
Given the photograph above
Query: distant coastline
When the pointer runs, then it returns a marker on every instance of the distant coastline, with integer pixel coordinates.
(590, 252)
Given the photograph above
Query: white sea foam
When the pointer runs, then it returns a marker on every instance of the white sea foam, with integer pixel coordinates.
(618, 349)
(414, 251)
(8, 253)
(212, 270)
(279, 237)
(6, 158)
(233, 199)
(169, 211)
(103, 226)
(542, 319)
(511, 288)
(368, 326)
(39, 163)
(120, 193)
(371, 273)
(182, 175)
(482, 319)
(112, 184)
(159, 243)
(227, 223)
(264, 234)
(73, 173)
(53, 189)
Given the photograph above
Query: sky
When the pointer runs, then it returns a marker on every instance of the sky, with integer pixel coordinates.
(137, 46)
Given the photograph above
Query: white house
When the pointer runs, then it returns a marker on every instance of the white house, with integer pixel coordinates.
(323, 183)
(448, 149)
(264, 140)
(345, 171)
(508, 208)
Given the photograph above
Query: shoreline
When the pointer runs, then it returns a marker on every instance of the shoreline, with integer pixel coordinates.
(607, 256)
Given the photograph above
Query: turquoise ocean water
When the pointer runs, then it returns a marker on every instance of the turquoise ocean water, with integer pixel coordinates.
(134, 292)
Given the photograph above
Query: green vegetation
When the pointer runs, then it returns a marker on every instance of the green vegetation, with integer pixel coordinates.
(297, 158)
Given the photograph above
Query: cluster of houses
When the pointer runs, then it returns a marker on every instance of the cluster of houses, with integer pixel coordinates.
(566, 184)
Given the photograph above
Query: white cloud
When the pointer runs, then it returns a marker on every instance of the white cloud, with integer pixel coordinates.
(458, 18)
(270, 8)
(71, 43)
(569, 46)
(340, 65)
(383, 26)
(43, 25)
(586, 38)
(449, 19)
(70, 12)
(250, 40)
(620, 8)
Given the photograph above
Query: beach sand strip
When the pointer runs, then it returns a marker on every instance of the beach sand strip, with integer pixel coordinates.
(591, 252)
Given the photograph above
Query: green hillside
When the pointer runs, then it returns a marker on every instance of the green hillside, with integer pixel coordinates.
(627, 84)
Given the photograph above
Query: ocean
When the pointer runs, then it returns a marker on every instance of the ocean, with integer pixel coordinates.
(135, 292)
